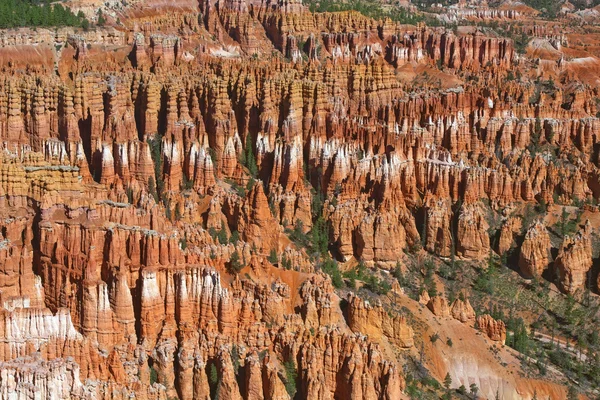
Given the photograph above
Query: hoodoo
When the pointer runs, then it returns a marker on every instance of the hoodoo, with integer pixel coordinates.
(299, 199)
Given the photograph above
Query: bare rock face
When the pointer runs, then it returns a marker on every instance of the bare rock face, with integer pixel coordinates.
(373, 234)
(273, 385)
(495, 330)
(254, 382)
(473, 240)
(534, 256)
(27, 330)
(319, 299)
(31, 378)
(463, 311)
(227, 386)
(574, 260)
(445, 49)
(262, 229)
(375, 322)
(439, 306)
(511, 226)
(439, 237)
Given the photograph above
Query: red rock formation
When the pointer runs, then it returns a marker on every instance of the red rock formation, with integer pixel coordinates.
(511, 226)
(438, 237)
(495, 330)
(534, 256)
(375, 322)
(262, 228)
(439, 306)
(141, 159)
(463, 311)
(472, 51)
(472, 238)
(30, 377)
(574, 260)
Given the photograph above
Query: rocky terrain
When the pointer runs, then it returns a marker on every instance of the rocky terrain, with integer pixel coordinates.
(256, 200)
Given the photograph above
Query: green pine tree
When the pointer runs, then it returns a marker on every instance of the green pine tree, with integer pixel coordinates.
(235, 265)
(447, 384)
